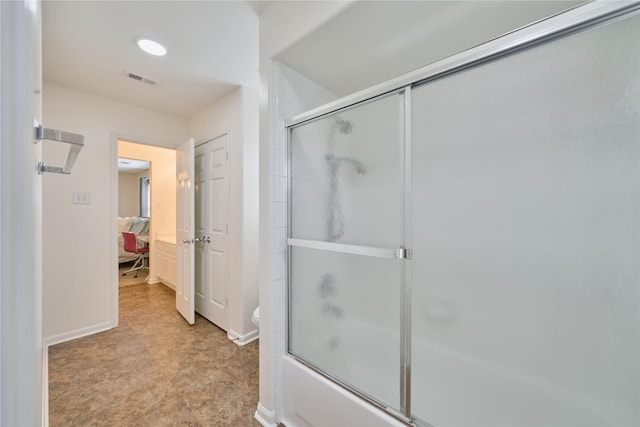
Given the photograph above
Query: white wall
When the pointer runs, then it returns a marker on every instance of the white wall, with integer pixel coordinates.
(237, 115)
(79, 266)
(162, 173)
(128, 194)
(284, 23)
(250, 205)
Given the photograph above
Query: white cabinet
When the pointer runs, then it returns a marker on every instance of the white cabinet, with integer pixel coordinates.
(166, 262)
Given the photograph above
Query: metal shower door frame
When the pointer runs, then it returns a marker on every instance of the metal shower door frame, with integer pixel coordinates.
(401, 253)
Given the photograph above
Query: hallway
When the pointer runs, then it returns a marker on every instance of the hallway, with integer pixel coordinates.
(154, 369)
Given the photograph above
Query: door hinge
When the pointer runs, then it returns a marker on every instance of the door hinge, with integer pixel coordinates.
(227, 154)
(226, 302)
(226, 229)
(404, 253)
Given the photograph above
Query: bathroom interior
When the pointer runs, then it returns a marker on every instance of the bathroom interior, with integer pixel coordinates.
(455, 238)
(461, 236)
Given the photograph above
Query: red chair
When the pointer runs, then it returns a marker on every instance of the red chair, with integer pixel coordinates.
(131, 245)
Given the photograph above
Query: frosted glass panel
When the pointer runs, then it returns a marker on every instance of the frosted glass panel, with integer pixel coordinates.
(344, 319)
(526, 287)
(346, 176)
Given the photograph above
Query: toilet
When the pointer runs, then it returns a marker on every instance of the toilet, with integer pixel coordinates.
(256, 317)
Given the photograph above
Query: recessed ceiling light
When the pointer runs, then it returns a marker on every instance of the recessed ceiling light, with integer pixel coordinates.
(154, 48)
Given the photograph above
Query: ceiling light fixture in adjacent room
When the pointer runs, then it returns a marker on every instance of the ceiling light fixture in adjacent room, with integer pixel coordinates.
(154, 48)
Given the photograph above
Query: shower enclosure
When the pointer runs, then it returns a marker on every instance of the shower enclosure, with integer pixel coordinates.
(464, 244)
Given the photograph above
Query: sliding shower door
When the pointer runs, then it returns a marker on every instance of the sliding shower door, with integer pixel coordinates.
(526, 201)
(510, 175)
(346, 271)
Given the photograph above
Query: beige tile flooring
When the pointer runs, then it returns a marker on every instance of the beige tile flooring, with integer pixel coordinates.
(128, 279)
(153, 370)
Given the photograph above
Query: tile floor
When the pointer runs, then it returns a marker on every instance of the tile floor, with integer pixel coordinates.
(153, 370)
(128, 279)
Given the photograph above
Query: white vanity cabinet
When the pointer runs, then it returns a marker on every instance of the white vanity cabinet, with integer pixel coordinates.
(166, 257)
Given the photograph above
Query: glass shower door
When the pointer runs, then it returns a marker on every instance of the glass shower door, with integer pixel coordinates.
(526, 252)
(346, 273)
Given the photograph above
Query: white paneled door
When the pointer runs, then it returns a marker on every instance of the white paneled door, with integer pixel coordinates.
(185, 230)
(211, 225)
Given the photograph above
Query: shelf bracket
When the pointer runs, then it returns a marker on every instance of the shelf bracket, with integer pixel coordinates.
(75, 141)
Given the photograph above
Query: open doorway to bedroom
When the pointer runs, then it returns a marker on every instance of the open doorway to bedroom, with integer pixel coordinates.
(134, 205)
(146, 208)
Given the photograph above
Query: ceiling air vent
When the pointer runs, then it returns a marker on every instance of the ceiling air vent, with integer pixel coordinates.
(142, 79)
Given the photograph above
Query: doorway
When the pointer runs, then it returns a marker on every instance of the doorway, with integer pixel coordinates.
(160, 216)
(134, 215)
(212, 257)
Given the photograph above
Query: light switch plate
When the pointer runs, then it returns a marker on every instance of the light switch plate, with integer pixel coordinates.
(81, 198)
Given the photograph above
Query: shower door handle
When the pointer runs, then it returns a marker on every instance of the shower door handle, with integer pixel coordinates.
(403, 253)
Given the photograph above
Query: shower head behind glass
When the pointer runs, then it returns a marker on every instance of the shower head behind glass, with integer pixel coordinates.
(344, 126)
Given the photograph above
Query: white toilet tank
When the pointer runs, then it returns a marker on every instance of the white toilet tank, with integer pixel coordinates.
(256, 317)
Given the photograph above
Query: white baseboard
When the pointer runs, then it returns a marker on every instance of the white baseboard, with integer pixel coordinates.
(78, 333)
(157, 280)
(265, 417)
(242, 339)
